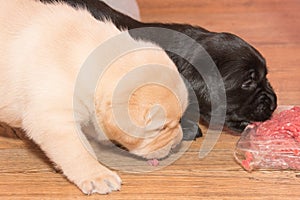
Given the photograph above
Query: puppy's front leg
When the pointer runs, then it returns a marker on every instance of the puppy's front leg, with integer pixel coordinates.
(57, 136)
(189, 121)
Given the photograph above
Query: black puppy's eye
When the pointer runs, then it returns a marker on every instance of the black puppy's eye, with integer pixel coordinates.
(250, 83)
(252, 75)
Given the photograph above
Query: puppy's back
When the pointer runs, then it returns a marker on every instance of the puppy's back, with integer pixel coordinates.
(43, 46)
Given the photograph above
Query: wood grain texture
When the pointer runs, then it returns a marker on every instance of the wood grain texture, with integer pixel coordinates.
(273, 27)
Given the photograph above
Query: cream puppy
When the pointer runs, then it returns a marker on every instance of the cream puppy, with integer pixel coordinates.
(42, 50)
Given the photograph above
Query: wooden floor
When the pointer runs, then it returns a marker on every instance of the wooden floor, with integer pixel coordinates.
(272, 26)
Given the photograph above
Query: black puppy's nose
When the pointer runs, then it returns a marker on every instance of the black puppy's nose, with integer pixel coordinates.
(273, 103)
(272, 96)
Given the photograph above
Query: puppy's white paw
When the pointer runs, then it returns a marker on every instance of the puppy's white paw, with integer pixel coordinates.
(104, 183)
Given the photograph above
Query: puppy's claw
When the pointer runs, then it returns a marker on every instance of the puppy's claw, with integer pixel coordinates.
(102, 185)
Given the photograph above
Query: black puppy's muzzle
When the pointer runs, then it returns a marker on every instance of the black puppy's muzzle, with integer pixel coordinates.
(272, 96)
(265, 103)
(258, 108)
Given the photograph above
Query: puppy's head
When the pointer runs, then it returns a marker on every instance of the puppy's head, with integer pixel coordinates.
(154, 107)
(158, 110)
(250, 96)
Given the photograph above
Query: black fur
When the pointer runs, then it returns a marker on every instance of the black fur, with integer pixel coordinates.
(249, 95)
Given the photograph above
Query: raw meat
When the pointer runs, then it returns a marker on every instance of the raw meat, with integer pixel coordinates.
(274, 144)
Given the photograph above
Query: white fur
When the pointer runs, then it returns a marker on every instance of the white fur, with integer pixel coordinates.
(41, 52)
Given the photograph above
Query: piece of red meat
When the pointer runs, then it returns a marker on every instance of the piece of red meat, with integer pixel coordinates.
(274, 144)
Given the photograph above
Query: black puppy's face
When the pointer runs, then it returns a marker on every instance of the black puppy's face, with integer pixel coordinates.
(249, 94)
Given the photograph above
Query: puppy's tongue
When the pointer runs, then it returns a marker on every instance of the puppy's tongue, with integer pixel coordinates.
(153, 162)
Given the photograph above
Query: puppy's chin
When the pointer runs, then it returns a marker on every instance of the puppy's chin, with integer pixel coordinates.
(158, 154)
(160, 146)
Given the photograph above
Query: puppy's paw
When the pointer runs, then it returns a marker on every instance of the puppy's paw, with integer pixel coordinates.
(104, 183)
(187, 136)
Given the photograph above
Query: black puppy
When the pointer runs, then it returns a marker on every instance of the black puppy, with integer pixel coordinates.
(249, 95)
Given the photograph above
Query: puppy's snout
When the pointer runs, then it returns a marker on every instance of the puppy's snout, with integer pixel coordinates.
(271, 96)
(266, 101)
(272, 101)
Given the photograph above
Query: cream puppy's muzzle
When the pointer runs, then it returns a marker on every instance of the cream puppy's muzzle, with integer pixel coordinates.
(159, 146)
(160, 115)
(152, 128)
